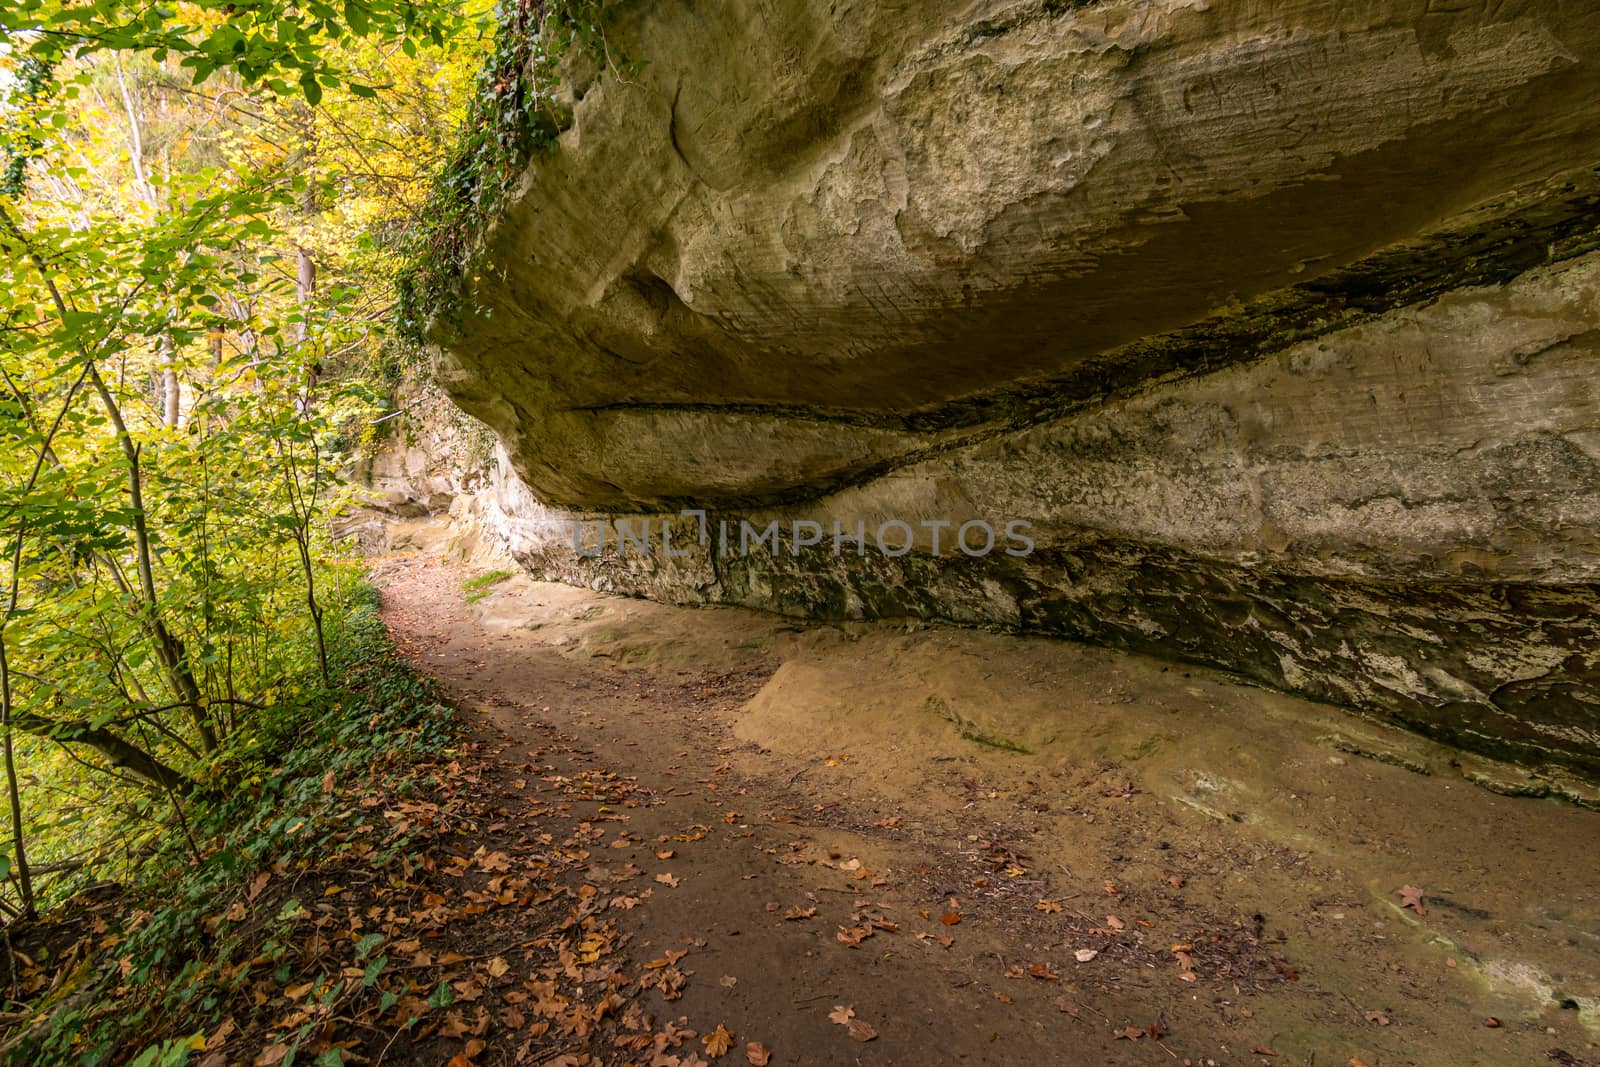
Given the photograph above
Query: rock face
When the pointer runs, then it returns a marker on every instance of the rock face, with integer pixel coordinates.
(1279, 325)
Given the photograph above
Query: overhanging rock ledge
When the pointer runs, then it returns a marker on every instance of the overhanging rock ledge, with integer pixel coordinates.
(1280, 324)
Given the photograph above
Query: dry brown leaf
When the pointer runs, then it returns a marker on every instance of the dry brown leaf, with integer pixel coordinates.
(1084, 955)
(271, 1055)
(1411, 897)
(1115, 923)
(718, 1042)
(860, 1031)
(842, 1014)
(758, 1054)
(950, 918)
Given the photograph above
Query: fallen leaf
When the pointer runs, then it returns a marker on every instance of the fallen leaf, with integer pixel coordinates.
(796, 913)
(665, 854)
(1043, 972)
(842, 1014)
(1492, 1023)
(950, 918)
(667, 880)
(271, 1055)
(1128, 1033)
(1002, 998)
(1262, 1050)
(727, 981)
(860, 1031)
(1412, 898)
(1115, 923)
(1066, 1007)
(718, 1042)
(758, 1054)
(1376, 1017)
(1084, 955)
(1048, 906)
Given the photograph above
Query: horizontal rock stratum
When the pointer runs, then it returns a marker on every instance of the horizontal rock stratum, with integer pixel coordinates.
(1280, 324)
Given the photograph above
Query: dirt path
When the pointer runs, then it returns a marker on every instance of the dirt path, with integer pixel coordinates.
(875, 818)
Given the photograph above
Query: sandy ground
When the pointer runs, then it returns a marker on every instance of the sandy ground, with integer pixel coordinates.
(1029, 851)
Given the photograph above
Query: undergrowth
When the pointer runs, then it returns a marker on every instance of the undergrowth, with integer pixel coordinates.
(177, 959)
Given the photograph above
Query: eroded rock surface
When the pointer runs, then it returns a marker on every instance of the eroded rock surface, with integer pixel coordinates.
(1279, 324)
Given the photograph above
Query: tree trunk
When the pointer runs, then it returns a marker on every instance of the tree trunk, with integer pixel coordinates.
(117, 751)
(23, 874)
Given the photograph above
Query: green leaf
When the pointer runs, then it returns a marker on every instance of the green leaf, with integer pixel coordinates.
(356, 16)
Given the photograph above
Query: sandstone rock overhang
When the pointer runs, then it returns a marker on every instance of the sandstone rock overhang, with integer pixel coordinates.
(1279, 322)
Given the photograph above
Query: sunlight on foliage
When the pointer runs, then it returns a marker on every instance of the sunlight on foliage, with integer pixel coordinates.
(203, 213)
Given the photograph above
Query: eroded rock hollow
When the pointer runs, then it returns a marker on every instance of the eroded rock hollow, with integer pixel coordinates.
(1278, 324)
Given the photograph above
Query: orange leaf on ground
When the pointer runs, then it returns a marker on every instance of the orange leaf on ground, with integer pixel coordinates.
(718, 1042)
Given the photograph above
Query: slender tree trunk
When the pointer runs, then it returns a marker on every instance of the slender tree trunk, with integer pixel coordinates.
(13, 794)
(305, 281)
(13, 601)
(169, 647)
(171, 409)
(302, 539)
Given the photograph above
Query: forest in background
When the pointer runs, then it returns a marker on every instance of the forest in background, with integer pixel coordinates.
(211, 214)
